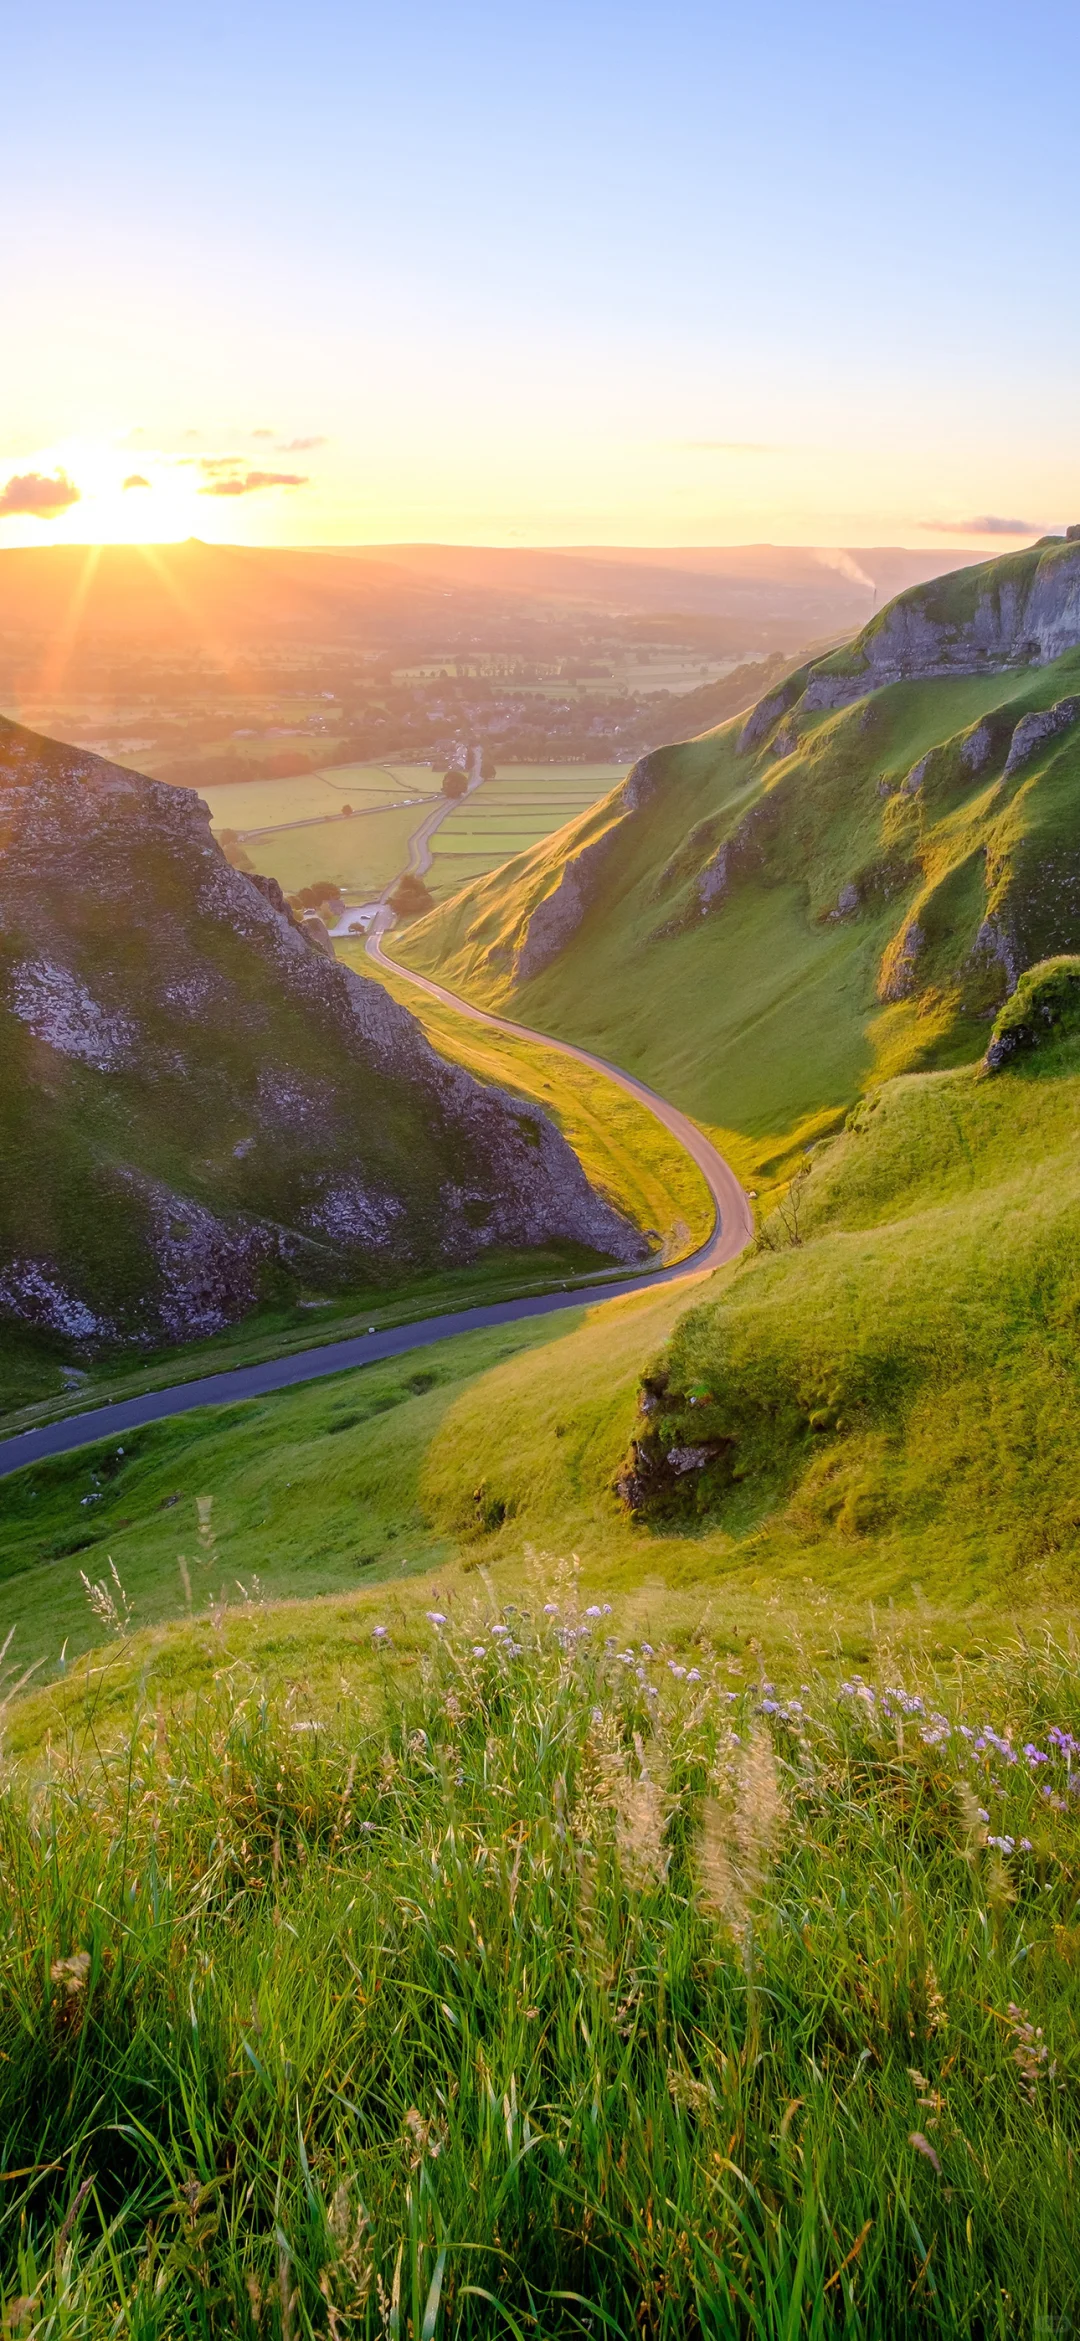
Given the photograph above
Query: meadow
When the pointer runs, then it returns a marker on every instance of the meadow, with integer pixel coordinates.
(407, 1932)
(549, 1981)
(521, 805)
(255, 804)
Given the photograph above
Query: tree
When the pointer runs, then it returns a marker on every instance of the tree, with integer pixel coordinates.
(455, 781)
(487, 765)
(410, 897)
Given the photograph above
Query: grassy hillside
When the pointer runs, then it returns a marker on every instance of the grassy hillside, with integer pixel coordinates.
(683, 1932)
(771, 931)
(627, 1155)
(886, 1409)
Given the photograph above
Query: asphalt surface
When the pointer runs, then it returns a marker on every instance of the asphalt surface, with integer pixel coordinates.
(731, 1232)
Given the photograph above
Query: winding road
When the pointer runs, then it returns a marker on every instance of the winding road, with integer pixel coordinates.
(732, 1230)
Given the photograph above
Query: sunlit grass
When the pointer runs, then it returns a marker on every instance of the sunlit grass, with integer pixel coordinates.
(556, 1985)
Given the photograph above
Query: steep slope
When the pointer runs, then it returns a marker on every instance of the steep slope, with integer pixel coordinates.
(199, 1107)
(846, 883)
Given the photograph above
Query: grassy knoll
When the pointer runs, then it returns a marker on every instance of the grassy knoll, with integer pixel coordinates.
(554, 1985)
(844, 944)
(628, 1155)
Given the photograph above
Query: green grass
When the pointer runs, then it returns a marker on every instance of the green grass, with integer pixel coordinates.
(521, 805)
(626, 1152)
(253, 804)
(534, 1987)
(766, 1018)
(893, 1402)
(360, 856)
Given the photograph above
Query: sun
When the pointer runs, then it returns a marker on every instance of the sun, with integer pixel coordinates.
(103, 492)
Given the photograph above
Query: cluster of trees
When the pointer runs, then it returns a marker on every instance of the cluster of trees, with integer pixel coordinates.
(323, 895)
(410, 897)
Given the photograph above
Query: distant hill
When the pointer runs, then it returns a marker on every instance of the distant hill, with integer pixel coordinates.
(845, 884)
(227, 598)
(201, 1110)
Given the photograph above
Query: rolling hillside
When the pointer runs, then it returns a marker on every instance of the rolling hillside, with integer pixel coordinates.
(845, 885)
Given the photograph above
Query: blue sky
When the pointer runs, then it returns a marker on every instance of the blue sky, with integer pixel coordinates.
(578, 274)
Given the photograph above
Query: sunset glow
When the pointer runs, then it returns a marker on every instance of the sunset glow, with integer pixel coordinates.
(575, 283)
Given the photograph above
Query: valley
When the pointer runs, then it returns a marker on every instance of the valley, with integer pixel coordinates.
(686, 1608)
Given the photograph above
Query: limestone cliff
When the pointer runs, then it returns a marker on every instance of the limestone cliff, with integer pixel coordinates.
(200, 1108)
(1020, 611)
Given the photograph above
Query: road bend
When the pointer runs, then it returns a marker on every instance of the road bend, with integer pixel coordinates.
(731, 1232)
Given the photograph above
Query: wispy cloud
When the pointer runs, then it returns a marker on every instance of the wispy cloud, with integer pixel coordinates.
(31, 492)
(297, 446)
(248, 483)
(722, 447)
(135, 480)
(986, 524)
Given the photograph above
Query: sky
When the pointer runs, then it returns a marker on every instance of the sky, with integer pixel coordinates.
(570, 274)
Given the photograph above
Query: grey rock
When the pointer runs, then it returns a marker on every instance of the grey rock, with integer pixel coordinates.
(1032, 730)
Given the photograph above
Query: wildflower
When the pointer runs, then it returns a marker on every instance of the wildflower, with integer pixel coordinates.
(479, 1649)
(647, 1650)
(678, 1671)
(1035, 1755)
(694, 1675)
(594, 1610)
(380, 1633)
(435, 1617)
(551, 1609)
(500, 1629)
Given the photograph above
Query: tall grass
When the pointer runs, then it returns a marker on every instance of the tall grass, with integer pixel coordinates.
(591, 1992)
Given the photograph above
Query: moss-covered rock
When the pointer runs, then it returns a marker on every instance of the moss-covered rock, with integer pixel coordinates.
(1045, 1004)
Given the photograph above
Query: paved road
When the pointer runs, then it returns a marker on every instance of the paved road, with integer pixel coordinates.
(731, 1232)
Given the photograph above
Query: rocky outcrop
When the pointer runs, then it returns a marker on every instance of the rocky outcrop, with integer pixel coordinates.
(1033, 730)
(1021, 611)
(202, 1106)
(558, 915)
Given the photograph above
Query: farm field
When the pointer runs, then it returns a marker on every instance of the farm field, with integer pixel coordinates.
(359, 856)
(258, 804)
(521, 805)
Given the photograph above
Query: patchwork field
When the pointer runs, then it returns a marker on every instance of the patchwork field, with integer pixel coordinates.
(523, 804)
(263, 804)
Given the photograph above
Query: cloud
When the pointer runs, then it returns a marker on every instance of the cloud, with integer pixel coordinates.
(988, 524)
(214, 463)
(248, 483)
(135, 480)
(263, 434)
(44, 499)
(296, 446)
(722, 447)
